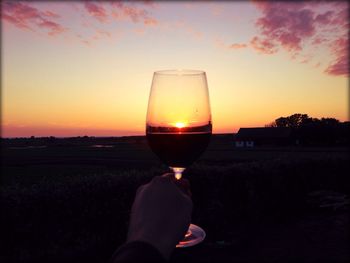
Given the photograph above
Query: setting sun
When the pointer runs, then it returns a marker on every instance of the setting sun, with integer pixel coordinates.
(180, 124)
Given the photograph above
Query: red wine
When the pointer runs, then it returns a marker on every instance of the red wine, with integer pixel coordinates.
(178, 149)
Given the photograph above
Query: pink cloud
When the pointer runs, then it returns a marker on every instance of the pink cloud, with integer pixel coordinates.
(83, 40)
(150, 3)
(24, 16)
(150, 21)
(54, 27)
(298, 26)
(12, 20)
(115, 11)
(40, 18)
(340, 65)
(97, 11)
(51, 14)
(324, 18)
(319, 40)
(286, 24)
(19, 14)
(136, 14)
(237, 46)
(99, 34)
(263, 45)
(220, 44)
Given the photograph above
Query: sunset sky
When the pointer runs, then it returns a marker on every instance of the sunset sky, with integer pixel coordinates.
(85, 68)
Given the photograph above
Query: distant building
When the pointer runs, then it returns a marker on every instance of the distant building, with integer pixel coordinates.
(265, 136)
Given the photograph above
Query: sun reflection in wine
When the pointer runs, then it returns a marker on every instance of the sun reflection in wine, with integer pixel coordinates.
(180, 124)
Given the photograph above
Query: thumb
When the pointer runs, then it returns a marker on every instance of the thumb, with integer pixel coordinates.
(182, 183)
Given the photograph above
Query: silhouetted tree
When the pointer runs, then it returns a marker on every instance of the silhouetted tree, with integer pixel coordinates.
(281, 122)
(329, 121)
(271, 124)
(292, 121)
(309, 130)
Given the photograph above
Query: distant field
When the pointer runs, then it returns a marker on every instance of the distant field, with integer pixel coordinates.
(135, 153)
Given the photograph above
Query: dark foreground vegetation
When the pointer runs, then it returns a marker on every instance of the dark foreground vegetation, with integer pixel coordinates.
(68, 200)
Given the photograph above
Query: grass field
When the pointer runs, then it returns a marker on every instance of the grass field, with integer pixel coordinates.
(69, 200)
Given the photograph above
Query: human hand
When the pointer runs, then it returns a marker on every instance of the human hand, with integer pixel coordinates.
(161, 213)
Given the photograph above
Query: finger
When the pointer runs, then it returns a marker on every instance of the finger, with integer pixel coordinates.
(163, 178)
(182, 183)
(169, 175)
(140, 189)
(184, 186)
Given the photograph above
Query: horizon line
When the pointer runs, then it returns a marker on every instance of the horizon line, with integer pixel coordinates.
(91, 136)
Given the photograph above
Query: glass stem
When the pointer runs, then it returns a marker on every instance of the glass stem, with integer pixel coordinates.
(178, 172)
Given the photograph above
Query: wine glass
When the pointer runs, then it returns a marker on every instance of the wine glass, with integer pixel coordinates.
(178, 126)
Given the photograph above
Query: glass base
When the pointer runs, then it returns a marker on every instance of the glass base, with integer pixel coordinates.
(194, 235)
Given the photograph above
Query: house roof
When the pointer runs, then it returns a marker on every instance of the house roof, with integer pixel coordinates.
(263, 133)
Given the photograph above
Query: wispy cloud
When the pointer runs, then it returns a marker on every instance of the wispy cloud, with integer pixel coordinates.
(128, 11)
(39, 18)
(93, 16)
(150, 21)
(121, 11)
(295, 26)
(237, 46)
(54, 28)
(219, 43)
(286, 24)
(51, 14)
(97, 11)
(263, 45)
(340, 65)
(24, 16)
(300, 28)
